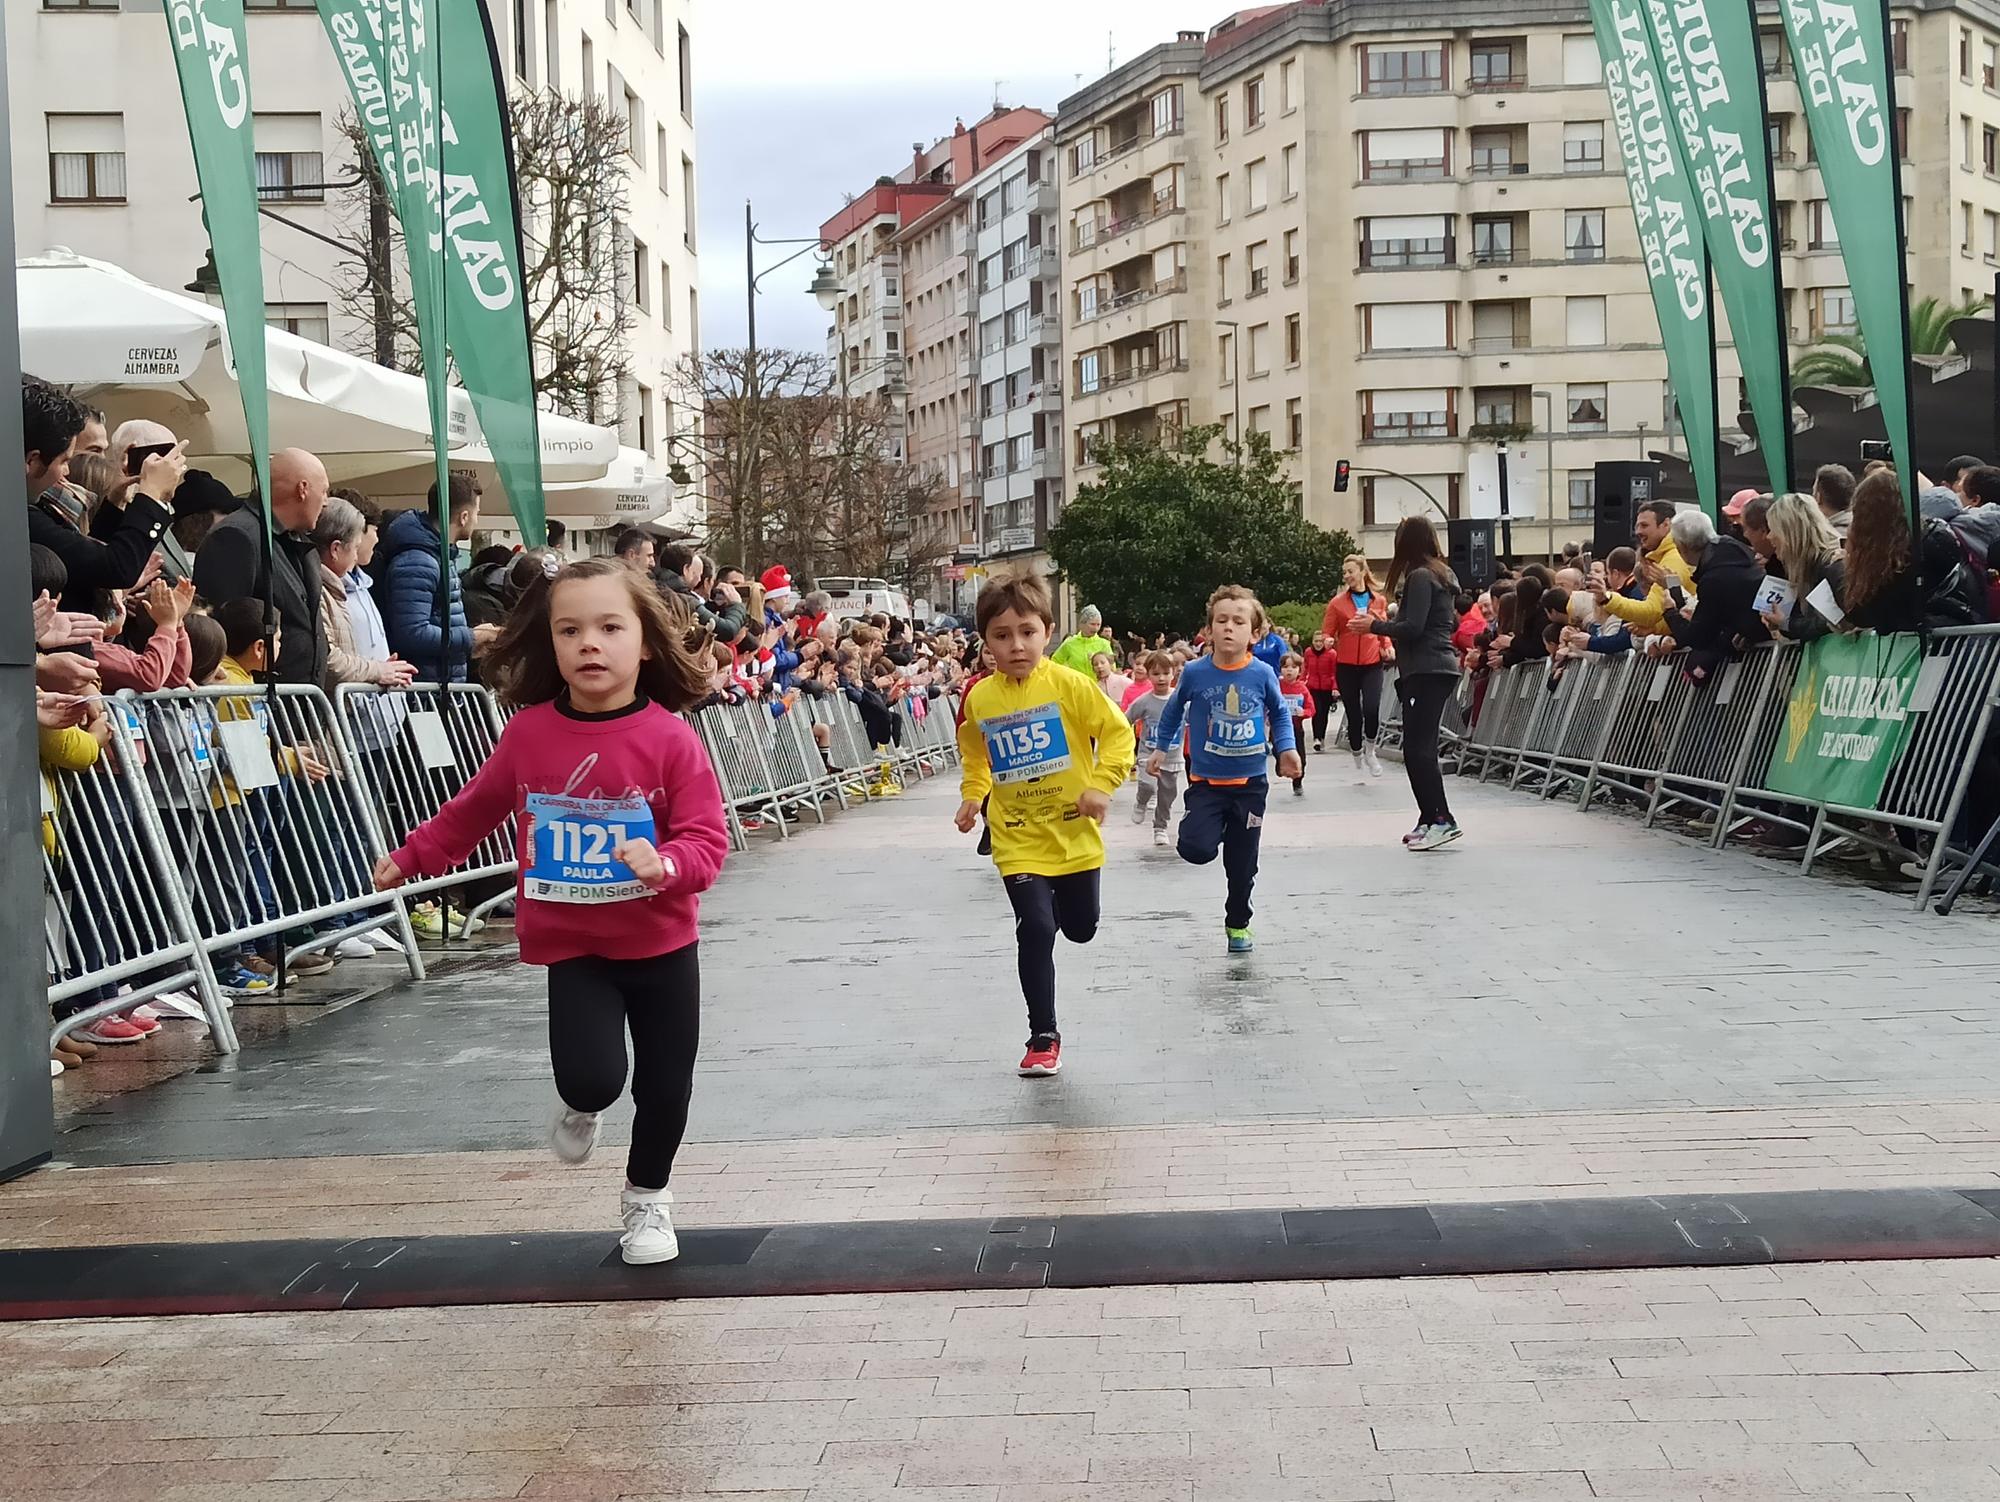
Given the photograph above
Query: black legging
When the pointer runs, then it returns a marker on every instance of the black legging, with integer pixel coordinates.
(1424, 698)
(1323, 701)
(1043, 907)
(592, 1002)
(1361, 693)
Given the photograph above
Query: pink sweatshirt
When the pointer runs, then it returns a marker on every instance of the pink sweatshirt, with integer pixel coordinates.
(164, 663)
(647, 753)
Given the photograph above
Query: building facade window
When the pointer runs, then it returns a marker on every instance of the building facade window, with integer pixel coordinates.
(290, 166)
(1583, 321)
(1493, 66)
(1582, 495)
(1253, 103)
(1583, 235)
(1288, 86)
(1406, 240)
(306, 319)
(1221, 119)
(1492, 240)
(1295, 424)
(86, 158)
(1584, 407)
(684, 55)
(1256, 187)
(1294, 339)
(1583, 146)
(1291, 257)
(1256, 264)
(1405, 155)
(1402, 70)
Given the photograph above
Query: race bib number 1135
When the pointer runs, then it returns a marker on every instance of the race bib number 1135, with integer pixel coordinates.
(1027, 744)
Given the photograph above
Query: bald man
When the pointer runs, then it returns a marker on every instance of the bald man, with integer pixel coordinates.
(230, 565)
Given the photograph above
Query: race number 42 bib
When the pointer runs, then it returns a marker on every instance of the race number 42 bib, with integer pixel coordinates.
(573, 840)
(1027, 744)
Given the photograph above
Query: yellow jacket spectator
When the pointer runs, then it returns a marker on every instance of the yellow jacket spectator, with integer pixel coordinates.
(1647, 615)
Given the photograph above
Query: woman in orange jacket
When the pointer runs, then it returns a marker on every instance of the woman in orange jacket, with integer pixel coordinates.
(1358, 659)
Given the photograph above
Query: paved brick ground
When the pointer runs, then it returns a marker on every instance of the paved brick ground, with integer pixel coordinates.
(1873, 1381)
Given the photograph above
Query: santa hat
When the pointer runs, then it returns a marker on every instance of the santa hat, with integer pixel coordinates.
(777, 582)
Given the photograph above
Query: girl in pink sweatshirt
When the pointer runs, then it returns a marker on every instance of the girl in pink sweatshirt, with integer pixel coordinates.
(619, 826)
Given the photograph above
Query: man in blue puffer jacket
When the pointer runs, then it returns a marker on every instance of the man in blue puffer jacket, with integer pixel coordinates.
(405, 571)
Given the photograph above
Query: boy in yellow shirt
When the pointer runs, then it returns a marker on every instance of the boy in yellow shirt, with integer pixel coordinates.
(1046, 749)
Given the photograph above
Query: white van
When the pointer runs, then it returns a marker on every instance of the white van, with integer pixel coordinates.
(861, 597)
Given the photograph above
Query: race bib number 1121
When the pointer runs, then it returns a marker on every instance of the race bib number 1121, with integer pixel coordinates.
(573, 841)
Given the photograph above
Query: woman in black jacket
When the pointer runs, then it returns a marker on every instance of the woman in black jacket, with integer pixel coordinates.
(1426, 593)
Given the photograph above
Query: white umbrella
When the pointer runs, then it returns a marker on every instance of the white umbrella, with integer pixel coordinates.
(143, 351)
(572, 452)
(635, 490)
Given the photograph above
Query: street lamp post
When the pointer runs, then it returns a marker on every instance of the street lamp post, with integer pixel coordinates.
(1235, 377)
(825, 287)
(1548, 462)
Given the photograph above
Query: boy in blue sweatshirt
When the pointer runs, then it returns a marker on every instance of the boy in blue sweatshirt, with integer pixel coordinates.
(1237, 717)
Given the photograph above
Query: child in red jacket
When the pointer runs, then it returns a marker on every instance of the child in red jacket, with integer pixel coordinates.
(1299, 699)
(1322, 668)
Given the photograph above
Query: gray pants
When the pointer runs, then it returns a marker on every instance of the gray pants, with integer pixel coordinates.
(1169, 787)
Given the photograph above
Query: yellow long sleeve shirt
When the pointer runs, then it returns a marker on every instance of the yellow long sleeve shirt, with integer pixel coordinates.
(1032, 749)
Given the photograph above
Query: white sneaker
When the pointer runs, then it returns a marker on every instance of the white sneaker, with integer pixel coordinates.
(1358, 767)
(1159, 837)
(1370, 760)
(354, 947)
(1435, 836)
(178, 1006)
(574, 1134)
(649, 1233)
(1138, 815)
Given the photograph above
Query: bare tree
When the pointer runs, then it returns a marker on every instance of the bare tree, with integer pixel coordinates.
(571, 165)
(796, 469)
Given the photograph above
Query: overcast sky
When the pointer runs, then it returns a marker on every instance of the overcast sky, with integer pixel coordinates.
(800, 101)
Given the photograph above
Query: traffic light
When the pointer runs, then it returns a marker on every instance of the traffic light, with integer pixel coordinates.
(1340, 471)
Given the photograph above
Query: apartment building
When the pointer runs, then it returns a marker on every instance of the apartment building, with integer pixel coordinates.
(102, 165)
(1386, 236)
(1015, 410)
(904, 326)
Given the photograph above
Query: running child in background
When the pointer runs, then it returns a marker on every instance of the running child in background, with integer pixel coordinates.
(1044, 749)
(1236, 717)
(619, 823)
(1143, 713)
(1298, 698)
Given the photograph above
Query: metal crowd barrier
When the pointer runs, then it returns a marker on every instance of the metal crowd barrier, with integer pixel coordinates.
(1637, 729)
(116, 933)
(218, 818)
(414, 750)
(265, 817)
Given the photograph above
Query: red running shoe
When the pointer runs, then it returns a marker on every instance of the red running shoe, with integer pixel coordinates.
(1044, 1056)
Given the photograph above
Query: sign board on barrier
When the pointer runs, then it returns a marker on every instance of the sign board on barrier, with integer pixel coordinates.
(432, 741)
(1657, 690)
(247, 747)
(1726, 689)
(1848, 718)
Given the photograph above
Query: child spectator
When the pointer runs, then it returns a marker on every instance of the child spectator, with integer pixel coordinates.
(165, 658)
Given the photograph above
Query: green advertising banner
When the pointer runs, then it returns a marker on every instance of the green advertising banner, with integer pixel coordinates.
(1847, 719)
(1714, 78)
(1670, 235)
(214, 74)
(384, 49)
(1842, 56)
(487, 309)
(435, 112)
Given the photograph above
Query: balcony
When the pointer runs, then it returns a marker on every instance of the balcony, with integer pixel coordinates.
(1097, 231)
(1135, 296)
(1046, 261)
(1494, 344)
(1407, 170)
(1112, 380)
(1495, 83)
(1129, 144)
(1045, 330)
(1048, 398)
(1400, 255)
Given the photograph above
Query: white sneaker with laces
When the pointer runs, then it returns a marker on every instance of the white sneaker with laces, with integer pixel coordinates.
(1159, 837)
(1358, 767)
(1138, 815)
(649, 1232)
(1370, 760)
(354, 947)
(574, 1134)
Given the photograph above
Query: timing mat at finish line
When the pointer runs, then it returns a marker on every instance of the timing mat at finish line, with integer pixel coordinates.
(1065, 1251)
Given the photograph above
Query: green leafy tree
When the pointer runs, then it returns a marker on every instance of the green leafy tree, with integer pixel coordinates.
(1842, 359)
(1301, 617)
(1163, 526)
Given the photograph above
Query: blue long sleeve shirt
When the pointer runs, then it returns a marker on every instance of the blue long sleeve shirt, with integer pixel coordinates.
(1236, 718)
